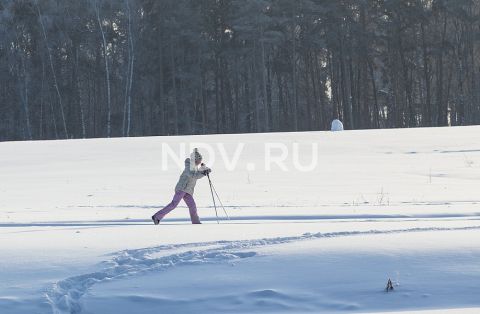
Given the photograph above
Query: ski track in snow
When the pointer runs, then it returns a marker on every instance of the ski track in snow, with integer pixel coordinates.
(65, 296)
(247, 219)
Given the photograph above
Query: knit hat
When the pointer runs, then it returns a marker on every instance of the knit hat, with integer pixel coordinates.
(196, 155)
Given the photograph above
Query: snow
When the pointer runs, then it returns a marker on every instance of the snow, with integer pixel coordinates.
(76, 237)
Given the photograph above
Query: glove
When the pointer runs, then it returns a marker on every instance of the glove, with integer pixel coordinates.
(204, 169)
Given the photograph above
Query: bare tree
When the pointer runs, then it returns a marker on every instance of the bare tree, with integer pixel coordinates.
(53, 70)
(107, 69)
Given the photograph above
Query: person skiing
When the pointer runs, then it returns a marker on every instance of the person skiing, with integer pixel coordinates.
(185, 187)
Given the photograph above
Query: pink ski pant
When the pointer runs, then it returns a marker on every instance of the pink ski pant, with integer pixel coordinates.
(179, 195)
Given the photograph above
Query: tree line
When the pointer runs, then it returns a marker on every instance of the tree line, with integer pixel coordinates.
(112, 68)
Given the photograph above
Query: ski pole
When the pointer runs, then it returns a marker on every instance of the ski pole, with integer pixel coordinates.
(218, 197)
(213, 197)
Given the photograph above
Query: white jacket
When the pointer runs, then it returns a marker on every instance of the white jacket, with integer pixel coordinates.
(189, 177)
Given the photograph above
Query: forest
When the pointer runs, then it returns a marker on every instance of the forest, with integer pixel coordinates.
(118, 68)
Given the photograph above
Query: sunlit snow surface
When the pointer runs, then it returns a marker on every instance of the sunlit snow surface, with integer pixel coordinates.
(76, 234)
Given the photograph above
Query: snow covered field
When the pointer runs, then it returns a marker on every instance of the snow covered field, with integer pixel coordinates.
(76, 234)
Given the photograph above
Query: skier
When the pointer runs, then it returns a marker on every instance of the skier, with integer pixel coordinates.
(185, 186)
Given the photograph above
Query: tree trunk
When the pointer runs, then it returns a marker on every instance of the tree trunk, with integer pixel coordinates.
(107, 70)
(174, 91)
(53, 70)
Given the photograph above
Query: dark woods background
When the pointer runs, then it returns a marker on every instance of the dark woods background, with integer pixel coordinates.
(101, 68)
